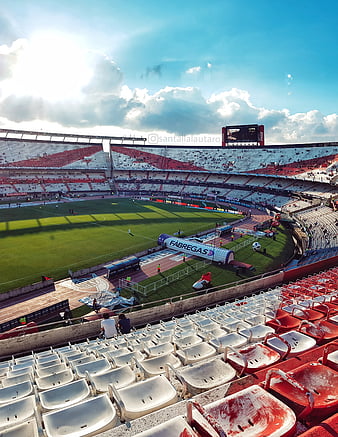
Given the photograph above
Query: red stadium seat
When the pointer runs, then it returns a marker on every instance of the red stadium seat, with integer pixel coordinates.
(311, 390)
(250, 412)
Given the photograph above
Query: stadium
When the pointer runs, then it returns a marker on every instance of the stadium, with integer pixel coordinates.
(267, 341)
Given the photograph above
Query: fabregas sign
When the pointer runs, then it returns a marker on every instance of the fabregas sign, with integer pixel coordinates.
(219, 255)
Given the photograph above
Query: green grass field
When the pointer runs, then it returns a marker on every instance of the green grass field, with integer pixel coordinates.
(278, 251)
(48, 240)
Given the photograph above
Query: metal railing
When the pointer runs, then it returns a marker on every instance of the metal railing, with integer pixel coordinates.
(136, 287)
(245, 243)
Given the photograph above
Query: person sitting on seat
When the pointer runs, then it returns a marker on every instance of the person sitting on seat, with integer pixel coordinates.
(123, 324)
(108, 326)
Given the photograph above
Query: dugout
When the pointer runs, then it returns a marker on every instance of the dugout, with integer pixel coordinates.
(122, 265)
(224, 230)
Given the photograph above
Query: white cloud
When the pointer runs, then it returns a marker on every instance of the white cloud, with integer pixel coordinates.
(108, 103)
(193, 70)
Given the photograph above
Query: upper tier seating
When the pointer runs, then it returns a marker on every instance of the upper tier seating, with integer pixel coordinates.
(227, 159)
(41, 154)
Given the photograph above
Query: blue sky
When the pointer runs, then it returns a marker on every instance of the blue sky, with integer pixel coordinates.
(174, 68)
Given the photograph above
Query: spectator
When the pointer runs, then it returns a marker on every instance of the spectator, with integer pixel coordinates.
(96, 306)
(123, 324)
(22, 320)
(66, 315)
(108, 326)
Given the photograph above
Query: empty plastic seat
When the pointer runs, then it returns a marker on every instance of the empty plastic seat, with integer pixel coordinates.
(175, 427)
(184, 323)
(196, 353)
(28, 428)
(11, 373)
(159, 349)
(144, 397)
(82, 360)
(6, 382)
(87, 418)
(116, 352)
(48, 362)
(310, 389)
(256, 333)
(254, 319)
(326, 308)
(322, 331)
(162, 337)
(330, 355)
(16, 391)
(297, 341)
(252, 358)
(157, 365)
(4, 368)
(333, 318)
(93, 367)
(76, 355)
(54, 380)
(120, 377)
(66, 349)
(327, 428)
(200, 377)
(122, 360)
(303, 313)
(186, 341)
(206, 335)
(65, 395)
(284, 323)
(18, 411)
(25, 359)
(233, 339)
(50, 353)
(250, 412)
(207, 324)
(46, 371)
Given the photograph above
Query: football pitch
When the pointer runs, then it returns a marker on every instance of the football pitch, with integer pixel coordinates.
(50, 239)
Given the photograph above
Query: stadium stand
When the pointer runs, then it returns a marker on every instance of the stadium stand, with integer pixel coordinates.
(175, 377)
(176, 362)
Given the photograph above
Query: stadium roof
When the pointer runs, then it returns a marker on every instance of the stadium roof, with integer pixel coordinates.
(52, 136)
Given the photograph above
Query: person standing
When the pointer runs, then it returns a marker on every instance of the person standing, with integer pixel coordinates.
(96, 306)
(108, 326)
(158, 268)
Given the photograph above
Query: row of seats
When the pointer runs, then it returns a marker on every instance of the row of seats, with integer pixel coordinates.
(86, 156)
(240, 160)
(303, 166)
(156, 366)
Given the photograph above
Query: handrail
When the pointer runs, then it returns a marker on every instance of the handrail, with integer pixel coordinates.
(211, 420)
(240, 356)
(272, 335)
(326, 350)
(289, 379)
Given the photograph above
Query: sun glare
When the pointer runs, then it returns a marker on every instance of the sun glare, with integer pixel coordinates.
(51, 66)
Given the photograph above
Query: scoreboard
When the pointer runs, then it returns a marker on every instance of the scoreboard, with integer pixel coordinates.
(252, 134)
